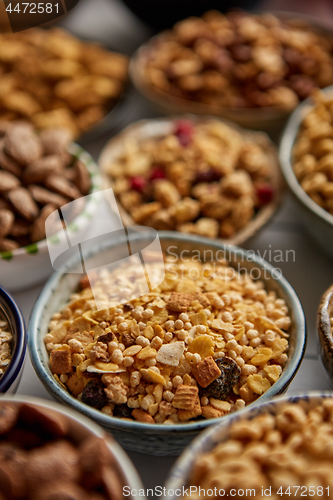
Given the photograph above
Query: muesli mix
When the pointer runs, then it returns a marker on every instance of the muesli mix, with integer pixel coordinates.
(189, 349)
(285, 453)
(313, 153)
(6, 340)
(56, 80)
(44, 457)
(240, 60)
(37, 176)
(201, 177)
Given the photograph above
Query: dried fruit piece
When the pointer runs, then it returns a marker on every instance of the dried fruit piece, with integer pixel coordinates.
(185, 397)
(206, 372)
(127, 339)
(93, 394)
(220, 388)
(171, 354)
(23, 203)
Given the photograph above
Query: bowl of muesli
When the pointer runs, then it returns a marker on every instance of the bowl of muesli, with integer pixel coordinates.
(13, 343)
(220, 330)
(282, 447)
(196, 175)
(325, 330)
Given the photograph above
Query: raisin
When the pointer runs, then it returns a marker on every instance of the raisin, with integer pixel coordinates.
(128, 307)
(122, 411)
(208, 175)
(106, 337)
(93, 394)
(220, 388)
(128, 340)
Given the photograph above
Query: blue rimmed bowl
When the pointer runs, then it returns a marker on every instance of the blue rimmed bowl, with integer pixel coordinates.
(146, 438)
(31, 265)
(205, 442)
(10, 311)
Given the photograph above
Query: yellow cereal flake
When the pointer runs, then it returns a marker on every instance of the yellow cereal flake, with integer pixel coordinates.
(152, 377)
(132, 351)
(148, 332)
(263, 355)
(187, 286)
(202, 345)
(199, 318)
(106, 367)
(87, 315)
(220, 405)
(58, 334)
(273, 372)
(218, 324)
(279, 347)
(258, 384)
(147, 353)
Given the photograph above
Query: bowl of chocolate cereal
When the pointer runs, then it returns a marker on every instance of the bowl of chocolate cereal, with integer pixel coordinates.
(253, 69)
(39, 174)
(196, 175)
(13, 343)
(306, 157)
(50, 452)
(220, 330)
(279, 447)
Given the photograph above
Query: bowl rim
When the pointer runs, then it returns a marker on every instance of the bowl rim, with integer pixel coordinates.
(33, 249)
(285, 154)
(21, 339)
(165, 100)
(44, 374)
(324, 327)
(205, 440)
(126, 465)
(264, 214)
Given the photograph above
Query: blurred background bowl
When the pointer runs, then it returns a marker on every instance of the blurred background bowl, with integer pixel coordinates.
(154, 439)
(206, 441)
(80, 429)
(31, 265)
(325, 314)
(9, 309)
(317, 221)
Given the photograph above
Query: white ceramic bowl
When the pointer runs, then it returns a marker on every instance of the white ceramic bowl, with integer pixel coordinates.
(81, 428)
(31, 265)
(155, 439)
(206, 441)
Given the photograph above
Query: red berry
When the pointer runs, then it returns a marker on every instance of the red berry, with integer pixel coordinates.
(157, 173)
(138, 183)
(264, 193)
(184, 131)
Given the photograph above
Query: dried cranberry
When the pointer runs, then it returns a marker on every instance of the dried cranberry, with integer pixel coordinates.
(93, 394)
(209, 175)
(138, 183)
(122, 411)
(184, 131)
(157, 173)
(264, 193)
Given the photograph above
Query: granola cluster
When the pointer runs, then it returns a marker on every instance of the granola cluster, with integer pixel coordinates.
(313, 153)
(191, 348)
(240, 60)
(45, 456)
(290, 451)
(201, 177)
(37, 176)
(55, 80)
(6, 339)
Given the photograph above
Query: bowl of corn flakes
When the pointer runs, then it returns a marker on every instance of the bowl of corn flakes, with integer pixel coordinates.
(220, 330)
(196, 175)
(307, 164)
(279, 447)
(13, 343)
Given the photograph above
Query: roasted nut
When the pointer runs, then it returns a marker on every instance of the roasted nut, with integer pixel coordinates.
(22, 145)
(23, 203)
(6, 222)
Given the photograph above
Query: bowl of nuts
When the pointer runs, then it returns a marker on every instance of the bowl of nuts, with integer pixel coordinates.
(279, 447)
(220, 330)
(325, 330)
(251, 69)
(307, 165)
(13, 343)
(55, 80)
(39, 173)
(195, 175)
(50, 452)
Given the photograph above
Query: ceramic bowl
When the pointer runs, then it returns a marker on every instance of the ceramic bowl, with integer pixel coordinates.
(81, 428)
(31, 265)
(317, 221)
(180, 472)
(9, 309)
(325, 332)
(146, 438)
(154, 128)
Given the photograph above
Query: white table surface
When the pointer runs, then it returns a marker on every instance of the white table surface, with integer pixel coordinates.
(310, 275)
